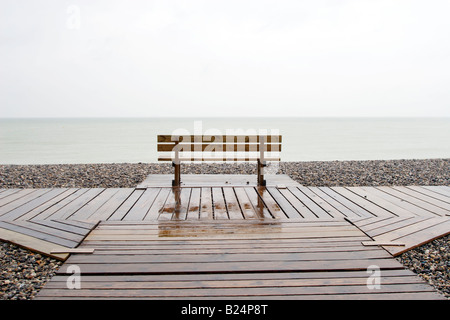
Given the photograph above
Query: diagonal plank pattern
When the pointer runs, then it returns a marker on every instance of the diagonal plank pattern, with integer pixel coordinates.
(240, 241)
(233, 260)
(222, 203)
(63, 216)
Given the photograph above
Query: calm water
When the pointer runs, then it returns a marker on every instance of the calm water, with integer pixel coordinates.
(53, 141)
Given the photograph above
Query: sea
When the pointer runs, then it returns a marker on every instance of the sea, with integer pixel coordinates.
(134, 140)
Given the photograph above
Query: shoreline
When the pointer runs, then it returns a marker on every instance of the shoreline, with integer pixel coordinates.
(311, 173)
(23, 273)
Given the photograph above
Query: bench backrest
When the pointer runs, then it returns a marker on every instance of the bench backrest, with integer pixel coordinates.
(220, 147)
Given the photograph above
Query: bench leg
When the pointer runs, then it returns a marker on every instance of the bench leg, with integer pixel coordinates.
(261, 181)
(177, 179)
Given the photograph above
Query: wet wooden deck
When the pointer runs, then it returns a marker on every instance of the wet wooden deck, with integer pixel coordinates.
(229, 241)
(233, 260)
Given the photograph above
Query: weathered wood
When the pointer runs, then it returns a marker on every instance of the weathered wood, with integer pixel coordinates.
(382, 243)
(430, 193)
(15, 199)
(32, 204)
(31, 243)
(77, 204)
(425, 198)
(415, 201)
(142, 206)
(206, 210)
(244, 203)
(21, 199)
(219, 206)
(228, 148)
(219, 138)
(126, 206)
(86, 211)
(73, 250)
(233, 208)
(218, 147)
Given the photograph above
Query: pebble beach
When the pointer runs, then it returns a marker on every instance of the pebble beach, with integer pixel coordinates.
(23, 273)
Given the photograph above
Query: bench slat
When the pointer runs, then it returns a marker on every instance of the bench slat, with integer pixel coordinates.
(219, 147)
(221, 138)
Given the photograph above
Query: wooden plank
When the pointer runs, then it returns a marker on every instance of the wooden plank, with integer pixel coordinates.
(247, 209)
(193, 212)
(430, 193)
(87, 210)
(327, 207)
(7, 193)
(31, 243)
(182, 204)
(355, 296)
(283, 277)
(270, 203)
(413, 209)
(233, 208)
(219, 206)
(225, 267)
(225, 224)
(30, 205)
(58, 225)
(394, 225)
(76, 204)
(21, 196)
(299, 206)
(166, 236)
(142, 206)
(218, 147)
(128, 282)
(21, 199)
(73, 250)
(206, 210)
(439, 189)
(81, 224)
(219, 138)
(371, 207)
(202, 230)
(374, 223)
(394, 208)
(173, 199)
(54, 212)
(411, 229)
(341, 209)
(358, 210)
(175, 249)
(435, 202)
(230, 257)
(52, 231)
(157, 205)
(112, 205)
(311, 205)
(415, 201)
(382, 243)
(126, 206)
(19, 227)
(317, 292)
(422, 236)
(36, 212)
(258, 205)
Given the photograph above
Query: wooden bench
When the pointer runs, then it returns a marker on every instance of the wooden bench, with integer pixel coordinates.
(199, 148)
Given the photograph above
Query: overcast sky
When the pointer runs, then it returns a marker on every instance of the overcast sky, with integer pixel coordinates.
(224, 58)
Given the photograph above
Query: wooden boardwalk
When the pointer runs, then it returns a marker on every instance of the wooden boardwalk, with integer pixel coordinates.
(233, 260)
(229, 241)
